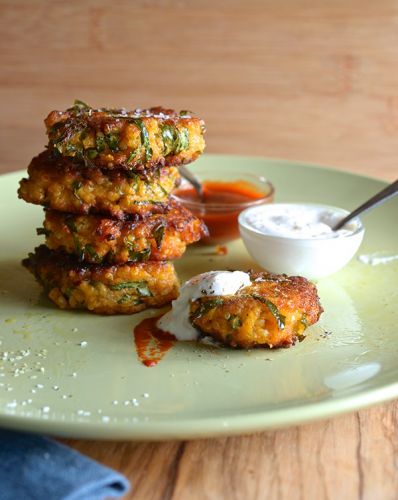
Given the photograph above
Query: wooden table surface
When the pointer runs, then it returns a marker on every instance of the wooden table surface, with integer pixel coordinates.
(309, 80)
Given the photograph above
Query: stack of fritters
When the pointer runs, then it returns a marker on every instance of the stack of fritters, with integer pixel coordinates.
(111, 228)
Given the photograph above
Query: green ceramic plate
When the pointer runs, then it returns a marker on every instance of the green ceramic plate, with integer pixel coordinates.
(50, 383)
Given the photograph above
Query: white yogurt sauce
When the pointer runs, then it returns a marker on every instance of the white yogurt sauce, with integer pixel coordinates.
(298, 221)
(213, 283)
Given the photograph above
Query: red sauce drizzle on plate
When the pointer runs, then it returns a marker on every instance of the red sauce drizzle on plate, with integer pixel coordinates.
(151, 343)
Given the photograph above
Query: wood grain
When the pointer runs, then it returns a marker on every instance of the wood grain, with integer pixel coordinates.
(351, 457)
(309, 80)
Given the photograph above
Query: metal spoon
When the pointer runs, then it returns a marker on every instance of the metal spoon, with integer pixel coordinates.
(379, 198)
(192, 179)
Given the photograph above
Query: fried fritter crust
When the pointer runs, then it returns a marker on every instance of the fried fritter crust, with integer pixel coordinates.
(123, 289)
(110, 138)
(274, 310)
(59, 183)
(98, 239)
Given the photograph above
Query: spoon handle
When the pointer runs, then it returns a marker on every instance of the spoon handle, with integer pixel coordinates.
(385, 194)
(191, 178)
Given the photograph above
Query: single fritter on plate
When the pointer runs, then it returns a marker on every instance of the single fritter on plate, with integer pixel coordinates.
(110, 138)
(98, 239)
(123, 289)
(59, 183)
(274, 310)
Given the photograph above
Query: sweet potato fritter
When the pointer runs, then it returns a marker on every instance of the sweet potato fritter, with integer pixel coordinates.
(60, 183)
(274, 310)
(123, 289)
(97, 239)
(109, 138)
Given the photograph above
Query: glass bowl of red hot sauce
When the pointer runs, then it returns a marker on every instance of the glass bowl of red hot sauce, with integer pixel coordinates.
(223, 200)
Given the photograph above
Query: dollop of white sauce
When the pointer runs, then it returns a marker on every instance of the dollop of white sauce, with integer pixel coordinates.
(213, 283)
(298, 221)
(377, 258)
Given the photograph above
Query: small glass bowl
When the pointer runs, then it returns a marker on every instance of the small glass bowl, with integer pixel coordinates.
(221, 218)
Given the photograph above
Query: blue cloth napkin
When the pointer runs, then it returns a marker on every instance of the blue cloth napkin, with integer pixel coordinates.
(36, 468)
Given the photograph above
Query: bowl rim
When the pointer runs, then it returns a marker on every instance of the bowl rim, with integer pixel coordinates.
(265, 200)
(250, 229)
